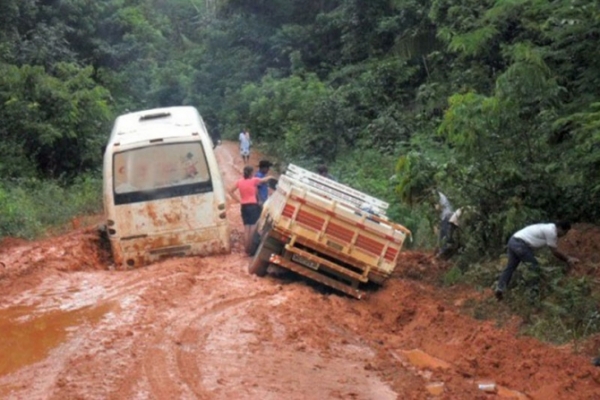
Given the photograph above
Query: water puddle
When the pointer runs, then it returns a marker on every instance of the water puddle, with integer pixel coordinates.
(28, 337)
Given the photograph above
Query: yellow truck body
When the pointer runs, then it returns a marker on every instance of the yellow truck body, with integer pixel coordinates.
(327, 232)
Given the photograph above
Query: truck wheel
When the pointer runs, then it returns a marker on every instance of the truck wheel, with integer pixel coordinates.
(258, 235)
(260, 262)
(254, 245)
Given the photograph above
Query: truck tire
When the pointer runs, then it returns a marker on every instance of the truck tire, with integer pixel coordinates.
(254, 245)
(260, 262)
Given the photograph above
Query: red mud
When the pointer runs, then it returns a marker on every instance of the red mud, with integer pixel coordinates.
(202, 328)
(583, 242)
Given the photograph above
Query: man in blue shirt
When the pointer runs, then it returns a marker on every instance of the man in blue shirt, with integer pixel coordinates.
(263, 188)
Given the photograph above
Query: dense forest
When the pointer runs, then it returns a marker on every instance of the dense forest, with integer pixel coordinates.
(494, 102)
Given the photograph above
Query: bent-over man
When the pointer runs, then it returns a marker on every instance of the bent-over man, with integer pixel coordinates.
(521, 248)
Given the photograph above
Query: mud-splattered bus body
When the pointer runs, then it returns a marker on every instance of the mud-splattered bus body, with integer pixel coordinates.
(163, 192)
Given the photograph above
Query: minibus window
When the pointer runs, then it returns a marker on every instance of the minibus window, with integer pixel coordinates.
(160, 171)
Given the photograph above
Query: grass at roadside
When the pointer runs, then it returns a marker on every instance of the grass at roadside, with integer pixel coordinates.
(562, 309)
(31, 208)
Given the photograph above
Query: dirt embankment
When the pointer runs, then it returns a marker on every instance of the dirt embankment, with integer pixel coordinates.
(202, 328)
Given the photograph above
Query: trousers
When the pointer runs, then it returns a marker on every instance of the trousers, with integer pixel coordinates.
(518, 251)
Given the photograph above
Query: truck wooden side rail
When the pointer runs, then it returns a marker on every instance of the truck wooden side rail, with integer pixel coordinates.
(318, 228)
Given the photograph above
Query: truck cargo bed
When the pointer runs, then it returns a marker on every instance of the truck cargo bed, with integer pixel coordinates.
(324, 235)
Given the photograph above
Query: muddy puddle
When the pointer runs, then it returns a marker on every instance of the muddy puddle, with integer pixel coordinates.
(28, 336)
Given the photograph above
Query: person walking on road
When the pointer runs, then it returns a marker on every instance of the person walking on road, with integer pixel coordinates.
(250, 210)
(521, 248)
(245, 143)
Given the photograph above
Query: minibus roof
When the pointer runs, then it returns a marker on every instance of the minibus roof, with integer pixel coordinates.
(158, 123)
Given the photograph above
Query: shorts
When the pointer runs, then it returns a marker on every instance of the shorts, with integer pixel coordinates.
(250, 213)
(245, 153)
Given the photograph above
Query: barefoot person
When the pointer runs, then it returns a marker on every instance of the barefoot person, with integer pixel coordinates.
(522, 245)
(248, 188)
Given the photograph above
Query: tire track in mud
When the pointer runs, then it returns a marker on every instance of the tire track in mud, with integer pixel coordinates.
(239, 348)
(191, 339)
(165, 365)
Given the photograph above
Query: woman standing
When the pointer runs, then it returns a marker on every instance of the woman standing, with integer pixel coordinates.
(248, 188)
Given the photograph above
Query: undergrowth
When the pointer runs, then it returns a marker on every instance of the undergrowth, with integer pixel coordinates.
(562, 308)
(30, 207)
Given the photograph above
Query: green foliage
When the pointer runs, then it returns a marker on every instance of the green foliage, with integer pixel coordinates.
(367, 170)
(473, 42)
(559, 309)
(566, 309)
(56, 122)
(452, 276)
(292, 115)
(414, 178)
(29, 207)
(504, 162)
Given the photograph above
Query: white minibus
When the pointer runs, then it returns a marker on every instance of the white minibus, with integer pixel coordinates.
(163, 192)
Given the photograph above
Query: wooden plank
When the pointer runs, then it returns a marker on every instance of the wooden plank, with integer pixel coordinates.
(309, 273)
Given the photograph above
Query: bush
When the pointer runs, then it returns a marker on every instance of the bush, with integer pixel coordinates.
(560, 309)
(29, 207)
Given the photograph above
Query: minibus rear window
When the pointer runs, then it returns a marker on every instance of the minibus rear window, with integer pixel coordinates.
(160, 171)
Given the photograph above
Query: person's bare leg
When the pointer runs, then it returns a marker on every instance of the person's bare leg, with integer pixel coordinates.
(251, 237)
(247, 237)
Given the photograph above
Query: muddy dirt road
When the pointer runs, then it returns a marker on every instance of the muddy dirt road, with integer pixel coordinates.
(71, 327)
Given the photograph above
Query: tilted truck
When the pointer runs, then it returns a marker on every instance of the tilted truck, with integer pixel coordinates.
(327, 232)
